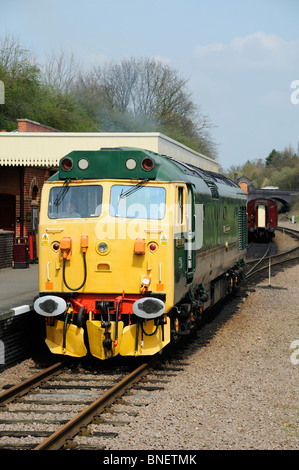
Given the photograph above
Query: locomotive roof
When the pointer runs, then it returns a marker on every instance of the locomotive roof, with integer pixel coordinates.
(135, 164)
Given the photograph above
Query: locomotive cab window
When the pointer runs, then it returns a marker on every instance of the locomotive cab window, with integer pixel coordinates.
(180, 214)
(70, 202)
(181, 208)
(143, 202)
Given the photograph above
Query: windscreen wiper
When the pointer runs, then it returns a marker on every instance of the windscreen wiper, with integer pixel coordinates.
(62, 193)
(132, 190)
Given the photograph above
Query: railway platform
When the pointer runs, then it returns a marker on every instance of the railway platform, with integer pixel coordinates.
(18, 287)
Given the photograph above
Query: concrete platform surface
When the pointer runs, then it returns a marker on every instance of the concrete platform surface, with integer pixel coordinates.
(18, 287)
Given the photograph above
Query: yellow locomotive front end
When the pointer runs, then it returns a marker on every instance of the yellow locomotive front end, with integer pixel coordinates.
(106, 266)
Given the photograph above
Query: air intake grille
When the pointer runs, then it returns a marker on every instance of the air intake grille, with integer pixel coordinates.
(243, 228)
(213, 188)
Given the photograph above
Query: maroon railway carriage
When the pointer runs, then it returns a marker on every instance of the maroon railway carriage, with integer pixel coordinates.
(262, 219)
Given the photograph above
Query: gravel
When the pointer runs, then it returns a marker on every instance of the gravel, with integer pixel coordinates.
(239, 391)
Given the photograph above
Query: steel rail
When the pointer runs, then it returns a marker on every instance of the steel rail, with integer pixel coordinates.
(291, 231)
(258, 262)
(276, 257)
(24, 387)
(72, 427)
(277, 262)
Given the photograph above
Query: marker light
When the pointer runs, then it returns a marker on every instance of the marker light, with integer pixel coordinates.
(147, 164)
(67, 164)
(83, 163)
(131, 164)
(55, 246)
(153, 247)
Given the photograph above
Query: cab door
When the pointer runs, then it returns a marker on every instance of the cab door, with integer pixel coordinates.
(184, 234)
(190, 235)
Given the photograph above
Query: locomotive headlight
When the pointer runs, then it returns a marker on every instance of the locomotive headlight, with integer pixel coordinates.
(50, 305)
(83, 163)
(103, 248)
(148, 308)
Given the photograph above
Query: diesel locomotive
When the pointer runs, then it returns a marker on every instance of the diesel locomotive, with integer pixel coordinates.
(133, 247)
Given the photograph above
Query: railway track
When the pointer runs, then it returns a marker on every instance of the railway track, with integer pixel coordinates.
(46, 411)
(57, 406)
(269, 261)
(290, 231)
(255, 263)
(65, 407)
(69, 408)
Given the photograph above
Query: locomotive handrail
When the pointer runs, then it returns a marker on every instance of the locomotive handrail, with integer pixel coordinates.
(54, 230)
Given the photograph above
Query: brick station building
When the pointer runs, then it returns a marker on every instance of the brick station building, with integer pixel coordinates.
(20, 191)
(20, 187)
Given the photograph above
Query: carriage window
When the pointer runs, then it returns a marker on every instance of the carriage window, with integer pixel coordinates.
(143, 202)
(69, 202)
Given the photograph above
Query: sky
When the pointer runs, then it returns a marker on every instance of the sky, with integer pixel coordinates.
(241, 57)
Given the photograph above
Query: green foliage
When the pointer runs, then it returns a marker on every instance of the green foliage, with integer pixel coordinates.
(280, 169)
(136, 95)
(21, 80)
(286, 178)
(271, 156)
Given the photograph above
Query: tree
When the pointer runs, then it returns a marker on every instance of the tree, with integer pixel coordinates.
(286, 178)
(281, 168)
(286, 157)
(145, 94)
(61, 71)
(271, 156)
(20, 76)
(27, 95)
(137, 94)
